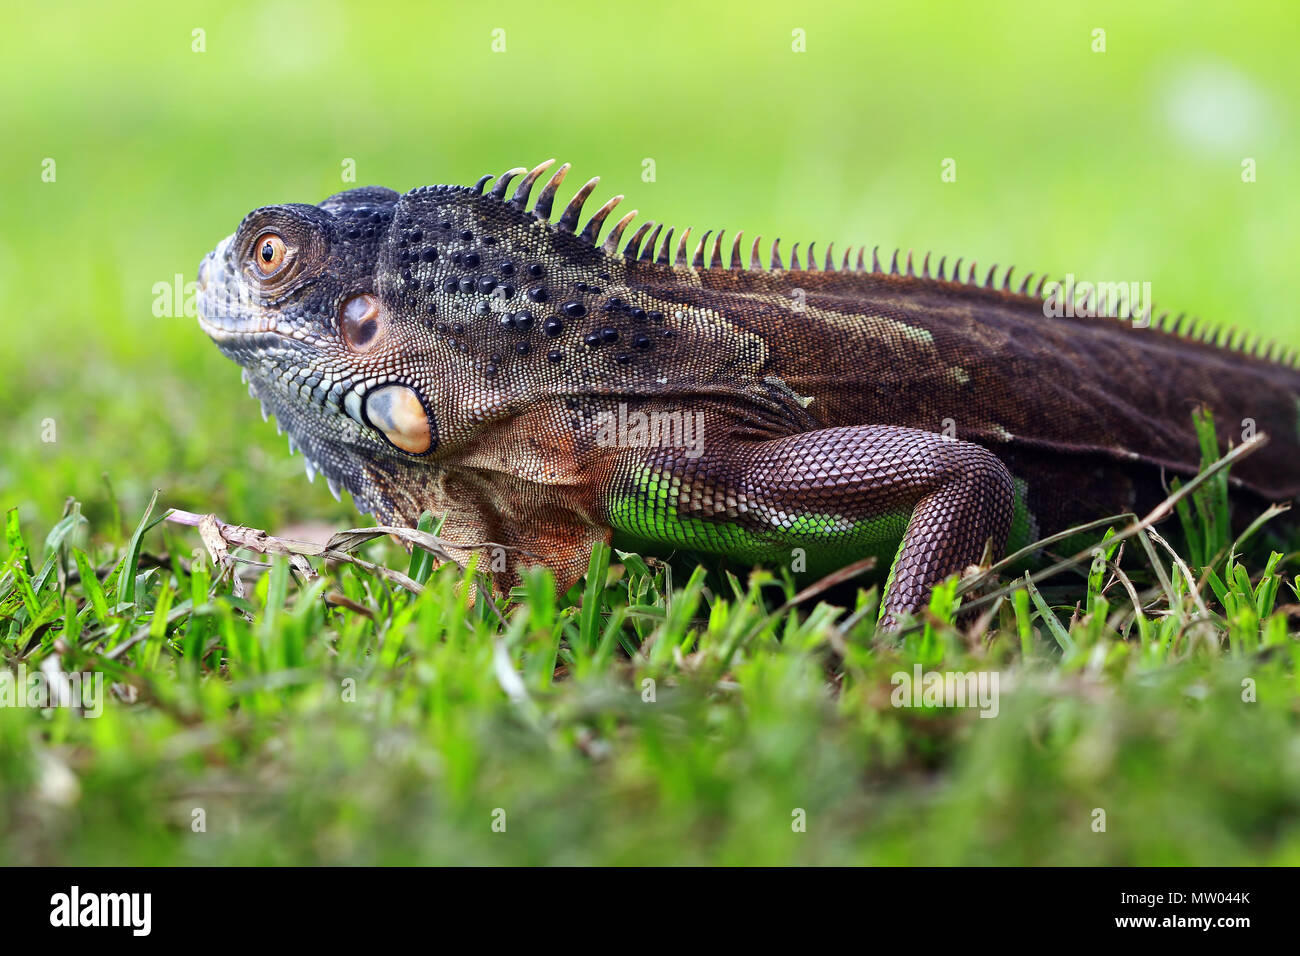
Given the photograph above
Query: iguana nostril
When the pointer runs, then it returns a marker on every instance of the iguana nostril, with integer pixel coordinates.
(397, 412)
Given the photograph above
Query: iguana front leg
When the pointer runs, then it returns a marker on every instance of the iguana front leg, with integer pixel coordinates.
(836, 492)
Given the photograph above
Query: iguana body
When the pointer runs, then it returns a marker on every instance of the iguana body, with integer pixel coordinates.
(453, 350)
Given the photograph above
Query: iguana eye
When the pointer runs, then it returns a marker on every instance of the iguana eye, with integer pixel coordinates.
(361, 322)
(268, 253)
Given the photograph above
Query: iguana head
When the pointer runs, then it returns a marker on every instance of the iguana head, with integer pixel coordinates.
(382, 329)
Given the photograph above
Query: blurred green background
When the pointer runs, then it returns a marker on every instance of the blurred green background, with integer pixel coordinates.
(1125, 164)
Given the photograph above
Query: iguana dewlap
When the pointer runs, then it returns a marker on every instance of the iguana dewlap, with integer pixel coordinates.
(454, 350)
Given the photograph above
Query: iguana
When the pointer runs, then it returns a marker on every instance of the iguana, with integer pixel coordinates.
(455, 350)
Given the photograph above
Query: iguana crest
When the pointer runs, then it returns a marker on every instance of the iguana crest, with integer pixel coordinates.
(650, 243)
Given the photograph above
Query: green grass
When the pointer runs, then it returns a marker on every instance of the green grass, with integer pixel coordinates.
(331, 715)
(349, 719)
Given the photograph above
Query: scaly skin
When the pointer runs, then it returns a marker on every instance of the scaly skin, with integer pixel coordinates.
(454, 351)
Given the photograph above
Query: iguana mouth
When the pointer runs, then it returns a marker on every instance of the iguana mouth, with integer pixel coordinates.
(246, 332)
